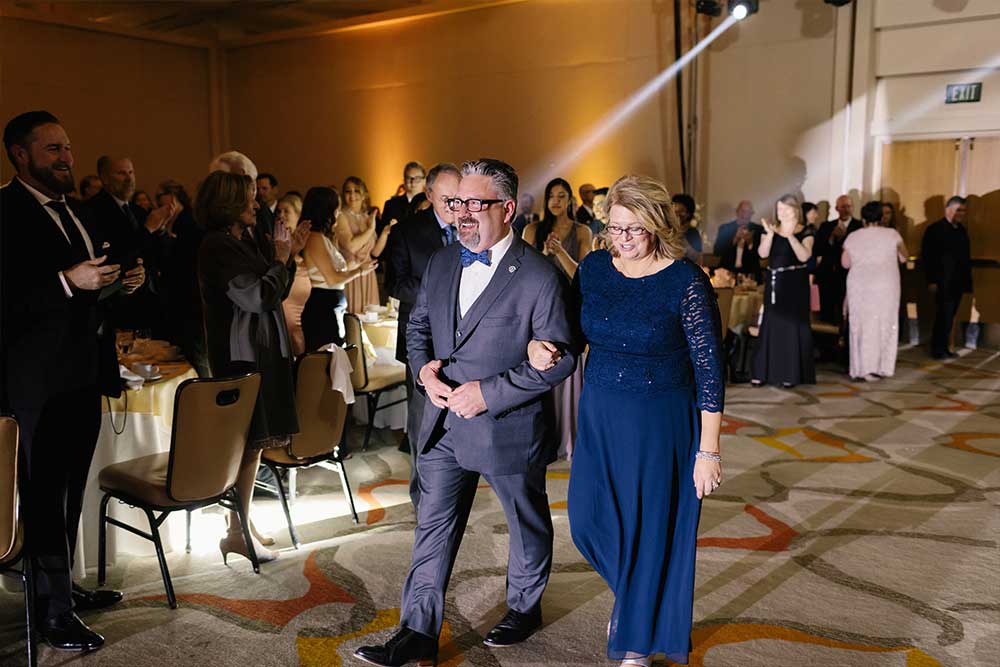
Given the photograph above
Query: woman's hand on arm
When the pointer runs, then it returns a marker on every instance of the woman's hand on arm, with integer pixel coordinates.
(543, 355)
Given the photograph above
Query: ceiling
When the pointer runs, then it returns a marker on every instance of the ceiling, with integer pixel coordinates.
(212, 20)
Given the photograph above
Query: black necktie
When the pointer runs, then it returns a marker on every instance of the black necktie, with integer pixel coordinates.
(127, 210)
(76, 241)
(449, 234)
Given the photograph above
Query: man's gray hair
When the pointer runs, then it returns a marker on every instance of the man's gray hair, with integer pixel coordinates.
(501, 174)
(439, 169)
(234, 162)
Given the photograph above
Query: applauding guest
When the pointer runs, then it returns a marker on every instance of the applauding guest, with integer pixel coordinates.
(244, 323)
(872, 256)
(785, 349)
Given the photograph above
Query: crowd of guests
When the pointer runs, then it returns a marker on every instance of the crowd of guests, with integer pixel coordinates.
(244, 278)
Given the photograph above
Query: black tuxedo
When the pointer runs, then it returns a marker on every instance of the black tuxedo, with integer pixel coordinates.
(398, 208)
(55, 363)
(263, 232)
(947, 262)
(583, 216)
(831, 276)
(123, 228)
(410, 247)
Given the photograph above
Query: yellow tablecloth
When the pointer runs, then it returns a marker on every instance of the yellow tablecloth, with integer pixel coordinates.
(746, 304)
(383, 333)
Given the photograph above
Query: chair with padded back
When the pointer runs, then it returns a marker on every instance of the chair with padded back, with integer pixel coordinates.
(370, 381)
(12, 529)
(322, 414)
(208, 438)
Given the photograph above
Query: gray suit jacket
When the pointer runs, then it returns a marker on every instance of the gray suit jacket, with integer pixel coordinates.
(526, 299)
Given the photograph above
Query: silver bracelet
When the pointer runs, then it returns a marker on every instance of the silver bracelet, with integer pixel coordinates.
(709, 456)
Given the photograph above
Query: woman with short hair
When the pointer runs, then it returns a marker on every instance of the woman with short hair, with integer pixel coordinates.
(244, 323)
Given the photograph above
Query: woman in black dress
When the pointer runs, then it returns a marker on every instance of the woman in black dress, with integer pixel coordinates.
(785, 349)
(244, 322)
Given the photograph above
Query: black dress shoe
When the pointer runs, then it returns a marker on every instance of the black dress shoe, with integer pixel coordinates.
(405, 647)
(67, 632)
(84, 600)
(514, 628)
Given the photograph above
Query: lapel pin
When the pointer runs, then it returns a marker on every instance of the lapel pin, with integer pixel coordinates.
(511, 269)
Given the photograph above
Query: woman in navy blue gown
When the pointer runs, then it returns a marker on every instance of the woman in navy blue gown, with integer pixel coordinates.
(647, 447)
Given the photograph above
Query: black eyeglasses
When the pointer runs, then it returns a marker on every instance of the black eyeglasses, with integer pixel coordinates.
(473, 205)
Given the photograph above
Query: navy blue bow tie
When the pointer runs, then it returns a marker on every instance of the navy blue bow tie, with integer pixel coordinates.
(469, 258)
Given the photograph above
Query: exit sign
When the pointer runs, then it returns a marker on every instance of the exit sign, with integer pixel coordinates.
(959, 93)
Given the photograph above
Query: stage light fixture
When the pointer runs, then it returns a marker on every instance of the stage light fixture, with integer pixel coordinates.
(740, 9)
(838, 3)
(708, 7)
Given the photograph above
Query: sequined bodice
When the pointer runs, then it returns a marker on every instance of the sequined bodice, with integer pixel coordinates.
(651, 334)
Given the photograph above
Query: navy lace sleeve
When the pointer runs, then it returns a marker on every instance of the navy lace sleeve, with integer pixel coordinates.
(702, 328)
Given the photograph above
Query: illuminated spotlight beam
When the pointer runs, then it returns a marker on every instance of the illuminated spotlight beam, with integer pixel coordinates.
(614, 118)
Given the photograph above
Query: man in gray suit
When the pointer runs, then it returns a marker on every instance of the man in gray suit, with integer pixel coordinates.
(481, 301)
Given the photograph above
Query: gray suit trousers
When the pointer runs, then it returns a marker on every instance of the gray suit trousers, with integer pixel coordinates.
(446, 494)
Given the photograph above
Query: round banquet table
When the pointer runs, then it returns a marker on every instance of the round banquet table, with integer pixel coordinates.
(137, 424)
(380, 339)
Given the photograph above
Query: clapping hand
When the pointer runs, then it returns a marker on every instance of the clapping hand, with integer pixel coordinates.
(163, 217)
(134, 278)
(299, 237)
(553, 245)
(282, 243)
(543, 355)
(769, 229)
(92, 274)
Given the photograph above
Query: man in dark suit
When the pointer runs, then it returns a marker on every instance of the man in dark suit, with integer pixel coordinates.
(585, 214)
(737, 242)
(54, 361)
(480, 303)
(831, 276)
(400, 207)
(411, 245)
(134, 238)
(267, 198)
(947, 261)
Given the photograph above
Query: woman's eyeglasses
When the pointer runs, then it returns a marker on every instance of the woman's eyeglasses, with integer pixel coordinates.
(630, 232)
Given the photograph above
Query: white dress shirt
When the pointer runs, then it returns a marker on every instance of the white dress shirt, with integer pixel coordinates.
(43, 200)
(477, 275)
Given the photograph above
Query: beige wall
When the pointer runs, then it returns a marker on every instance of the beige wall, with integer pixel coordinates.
(113, 94)
(768, 109)
(517, 81)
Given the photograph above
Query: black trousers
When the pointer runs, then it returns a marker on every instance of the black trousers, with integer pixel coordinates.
(947, 307)
(57, 442)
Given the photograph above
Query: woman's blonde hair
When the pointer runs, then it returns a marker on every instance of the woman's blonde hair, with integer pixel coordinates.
(650, 201)
(294, 201)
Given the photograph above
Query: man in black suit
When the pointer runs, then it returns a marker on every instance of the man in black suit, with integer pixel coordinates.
(267, 197)
(831, 276)
(411, 245)
(585, 214)
(134, 238)
(54, 361)
(402, 206)
(948, 266)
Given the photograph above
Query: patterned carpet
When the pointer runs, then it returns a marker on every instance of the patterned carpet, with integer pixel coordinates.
(858, 526)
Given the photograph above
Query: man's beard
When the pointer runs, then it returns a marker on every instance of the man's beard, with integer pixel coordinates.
(470, 239)
(124, 192)
(60, 182)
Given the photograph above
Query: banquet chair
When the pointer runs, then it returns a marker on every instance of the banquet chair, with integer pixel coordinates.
(321, 438)
(370, 381)
(207, 441)
(725, 295)
(12, 529)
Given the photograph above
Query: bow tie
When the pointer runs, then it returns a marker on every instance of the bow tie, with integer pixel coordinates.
(469, 258)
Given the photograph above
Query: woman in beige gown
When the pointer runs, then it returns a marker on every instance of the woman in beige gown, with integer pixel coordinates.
(287, 213)
(359, 243)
